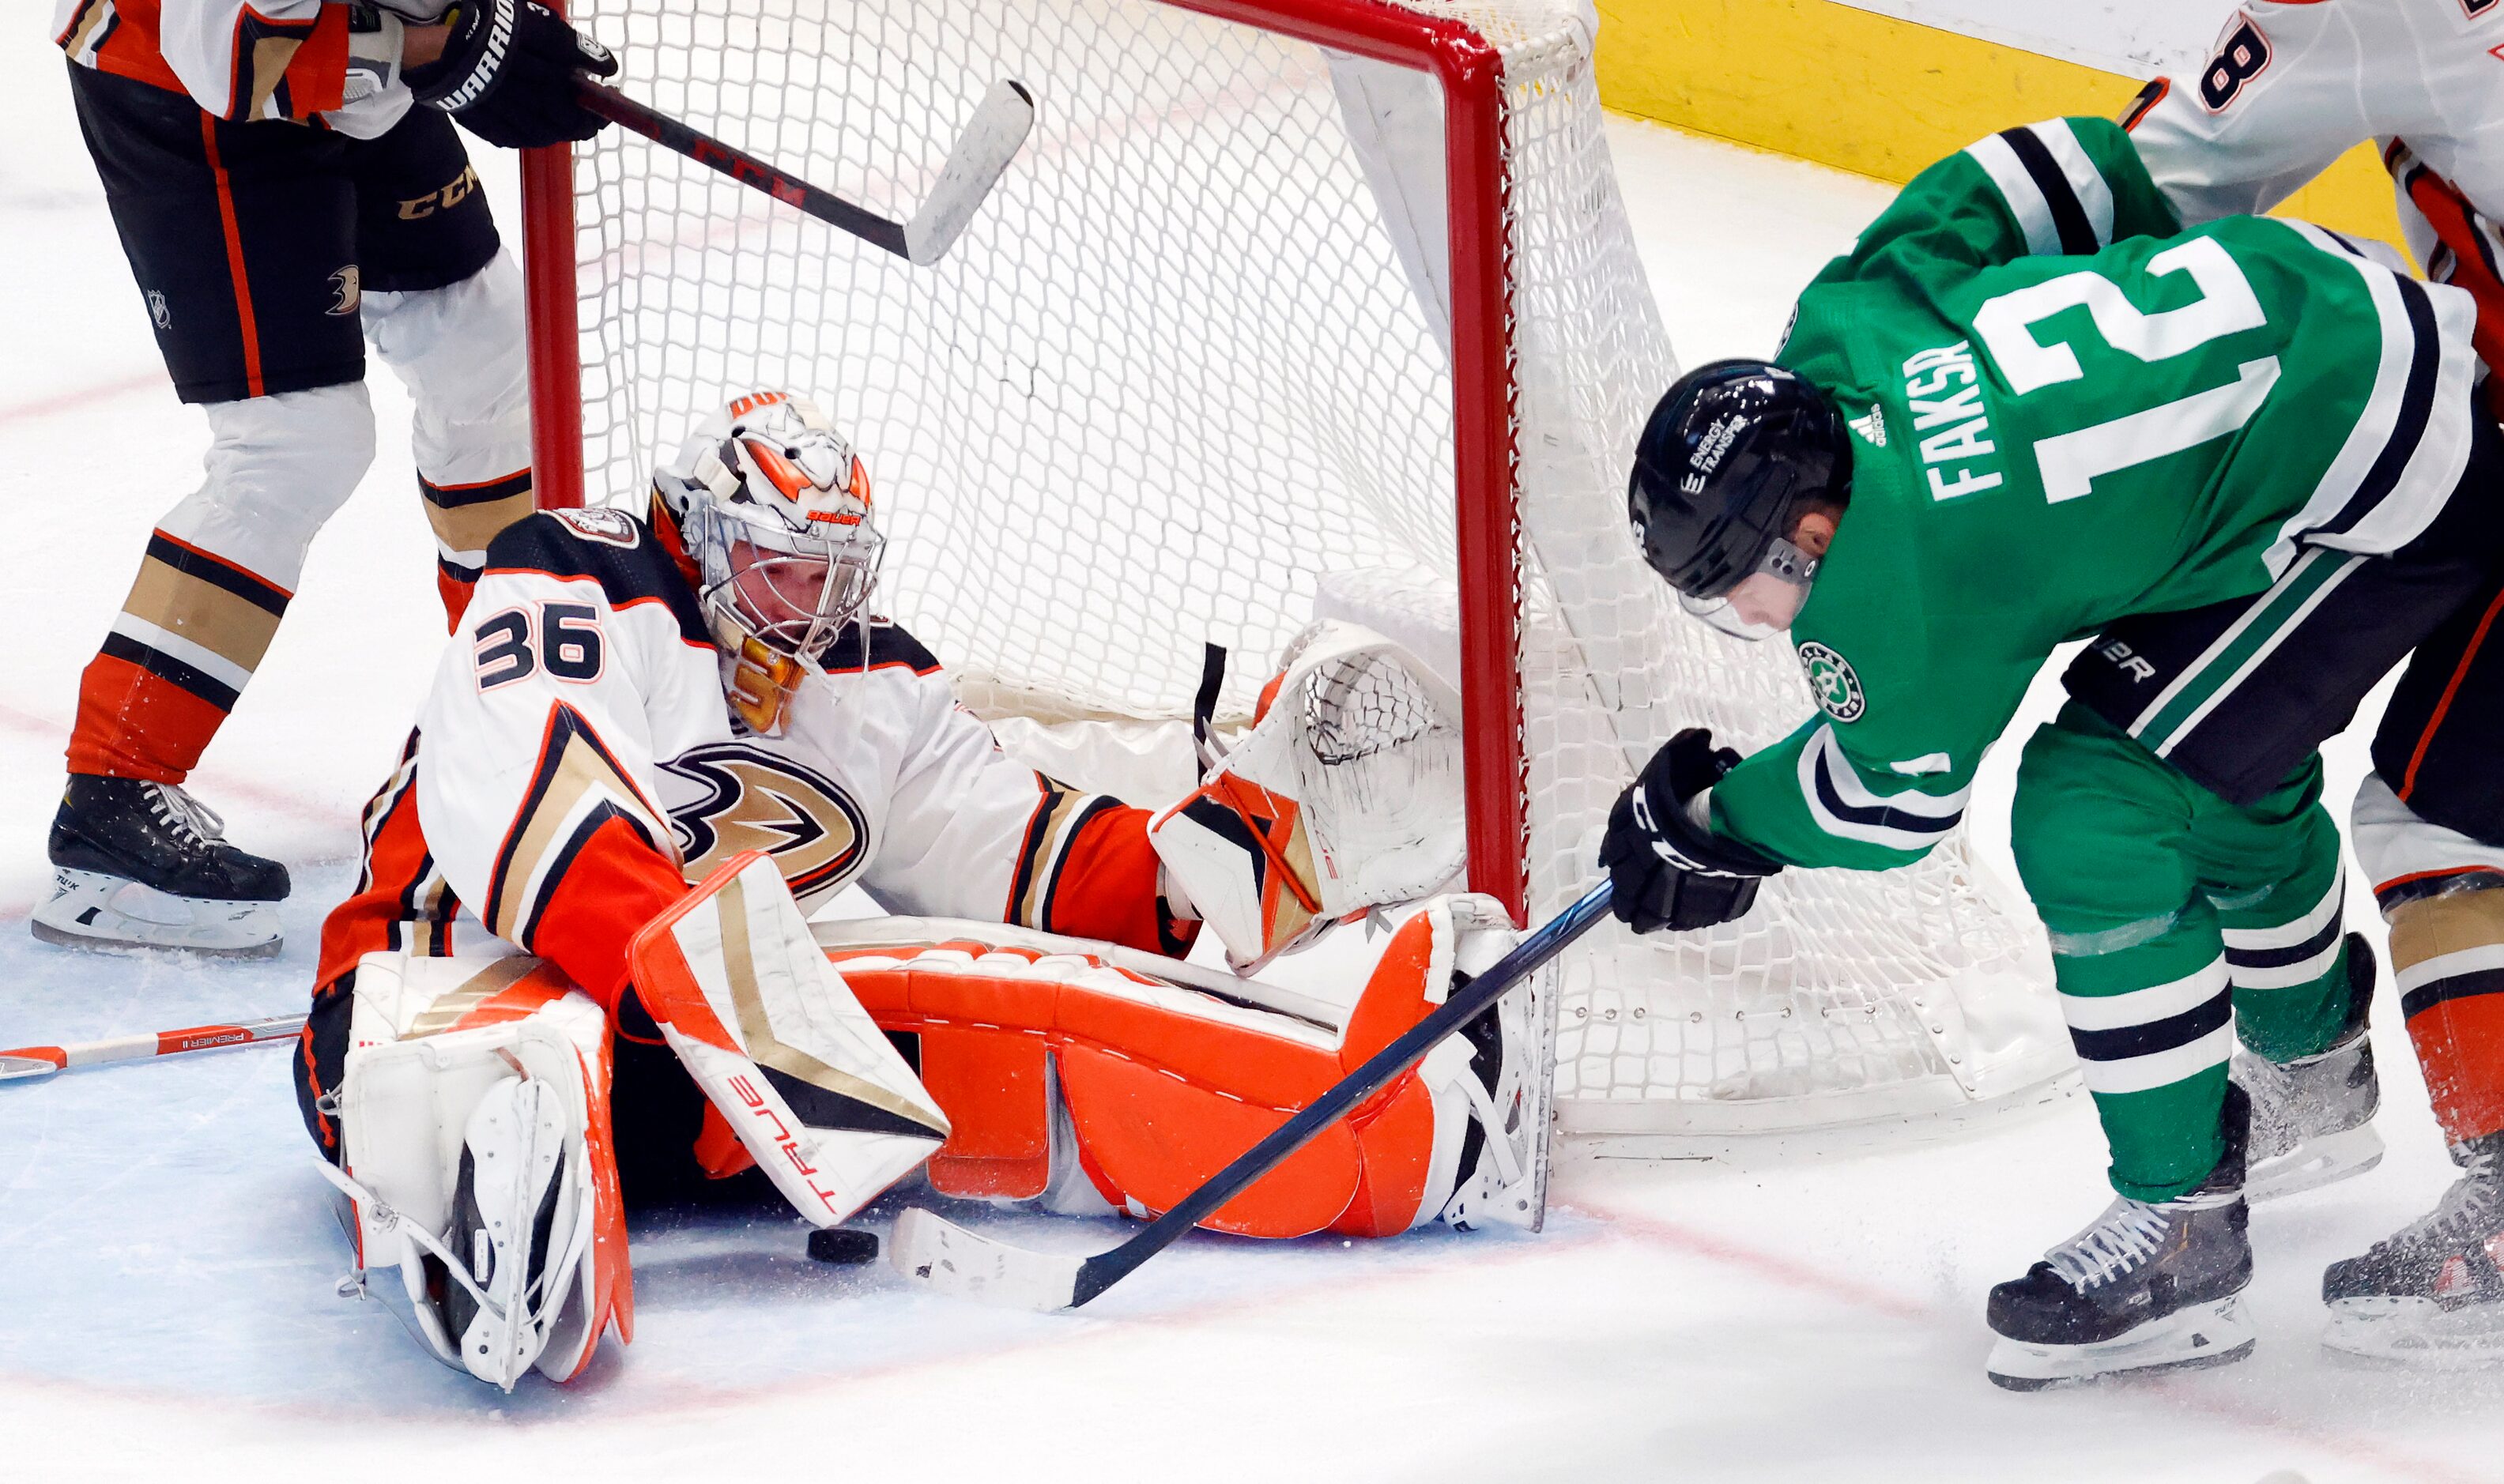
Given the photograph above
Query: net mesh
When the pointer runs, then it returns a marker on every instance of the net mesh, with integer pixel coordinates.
(1187, 366)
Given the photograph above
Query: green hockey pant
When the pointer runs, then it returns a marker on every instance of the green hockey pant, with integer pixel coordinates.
(2178, 921)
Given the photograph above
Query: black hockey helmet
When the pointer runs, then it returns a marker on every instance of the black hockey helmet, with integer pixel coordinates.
(1733, 453)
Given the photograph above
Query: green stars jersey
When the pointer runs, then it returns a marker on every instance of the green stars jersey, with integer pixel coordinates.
(2066, 410)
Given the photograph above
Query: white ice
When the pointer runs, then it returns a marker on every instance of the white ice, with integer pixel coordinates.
(167, 1255)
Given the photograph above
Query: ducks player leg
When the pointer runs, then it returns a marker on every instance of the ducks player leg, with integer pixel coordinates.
(2432, 1293)
(442, 304)
(242, 241)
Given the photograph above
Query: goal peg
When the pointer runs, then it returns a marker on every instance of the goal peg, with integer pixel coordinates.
(982, 154)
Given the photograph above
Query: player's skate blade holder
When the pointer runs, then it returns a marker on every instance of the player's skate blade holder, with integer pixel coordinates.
(2192, 1338)
(934, 1250)
(2325, 1160)
(2417, 1333)
(975, 164)
(91, 910)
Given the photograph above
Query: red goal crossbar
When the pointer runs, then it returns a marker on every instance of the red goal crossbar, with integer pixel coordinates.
(1486, 454)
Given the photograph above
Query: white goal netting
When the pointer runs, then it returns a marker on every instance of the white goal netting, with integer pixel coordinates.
(1190, 376)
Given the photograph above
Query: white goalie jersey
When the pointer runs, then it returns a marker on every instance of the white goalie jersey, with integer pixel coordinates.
(575, 766)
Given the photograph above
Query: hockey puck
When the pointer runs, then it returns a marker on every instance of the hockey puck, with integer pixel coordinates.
(849, 1246)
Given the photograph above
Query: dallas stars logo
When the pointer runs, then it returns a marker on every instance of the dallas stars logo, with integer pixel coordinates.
(1831, 681)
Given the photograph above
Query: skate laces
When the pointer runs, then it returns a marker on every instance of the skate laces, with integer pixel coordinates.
(185, 814)
(2126, 1234)
(2474, 1207)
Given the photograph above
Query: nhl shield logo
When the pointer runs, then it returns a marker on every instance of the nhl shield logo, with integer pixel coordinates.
(1831, 681)
(157, 311)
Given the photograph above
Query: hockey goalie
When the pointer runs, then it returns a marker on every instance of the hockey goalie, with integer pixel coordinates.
(525, 1017)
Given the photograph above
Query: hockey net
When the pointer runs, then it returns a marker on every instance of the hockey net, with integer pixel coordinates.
(1286, 306)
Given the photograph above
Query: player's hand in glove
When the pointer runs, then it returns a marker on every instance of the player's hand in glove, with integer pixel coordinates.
(1669, 871)
(507, 74)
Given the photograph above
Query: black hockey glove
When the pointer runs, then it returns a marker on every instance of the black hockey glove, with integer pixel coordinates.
(1670, 872)
(506, 73)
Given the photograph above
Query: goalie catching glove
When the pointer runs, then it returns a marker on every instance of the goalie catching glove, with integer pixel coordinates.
(1344, 795)
(508, 74)
(1670, 870)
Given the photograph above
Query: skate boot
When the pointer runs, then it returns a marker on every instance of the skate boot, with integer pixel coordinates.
(2149, 1287)
(2431, 1294)
(2313, 1118)
(142, 864)
(1502, 1163)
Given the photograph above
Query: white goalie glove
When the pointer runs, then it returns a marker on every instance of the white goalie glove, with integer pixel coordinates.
(473, 1107)
(1346, 795)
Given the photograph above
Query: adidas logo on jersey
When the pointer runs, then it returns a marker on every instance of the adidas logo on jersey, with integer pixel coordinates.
(1872, 428)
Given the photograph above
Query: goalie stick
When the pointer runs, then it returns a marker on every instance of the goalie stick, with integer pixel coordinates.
(982, 153)
(934, 1250)
(27, 1062)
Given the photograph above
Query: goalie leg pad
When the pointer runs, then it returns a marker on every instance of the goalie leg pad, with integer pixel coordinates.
(1163, 1086)
(477, 1160)
(773, 1035)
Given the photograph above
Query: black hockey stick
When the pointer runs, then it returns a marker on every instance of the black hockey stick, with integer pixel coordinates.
(940, 1254)
(982, 153)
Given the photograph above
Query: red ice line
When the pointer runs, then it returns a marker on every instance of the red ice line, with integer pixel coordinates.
(65, 401)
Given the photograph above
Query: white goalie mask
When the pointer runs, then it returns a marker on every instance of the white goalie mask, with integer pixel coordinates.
(773, 511)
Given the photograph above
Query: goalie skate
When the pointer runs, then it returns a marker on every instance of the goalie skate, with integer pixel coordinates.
(141, 864)
(2433, 1293)
(1507, 1079)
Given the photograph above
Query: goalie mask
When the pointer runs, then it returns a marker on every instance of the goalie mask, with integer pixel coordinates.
(772, 512)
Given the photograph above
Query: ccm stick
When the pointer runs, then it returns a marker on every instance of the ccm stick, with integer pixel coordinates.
(940, 1254)
(27, 1062)
(982, 153)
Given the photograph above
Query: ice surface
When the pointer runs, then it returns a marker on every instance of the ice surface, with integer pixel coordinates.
(167, 1255)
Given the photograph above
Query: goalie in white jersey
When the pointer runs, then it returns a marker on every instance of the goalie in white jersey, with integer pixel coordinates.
(632, 706)
(2290, 87)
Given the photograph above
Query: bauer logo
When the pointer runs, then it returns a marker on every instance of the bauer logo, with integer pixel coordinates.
(1831, 681)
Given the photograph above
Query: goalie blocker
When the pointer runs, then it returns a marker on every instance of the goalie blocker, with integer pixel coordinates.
(480, 1152)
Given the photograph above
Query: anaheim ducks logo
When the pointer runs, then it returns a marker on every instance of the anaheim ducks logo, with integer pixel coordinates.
(755, 800)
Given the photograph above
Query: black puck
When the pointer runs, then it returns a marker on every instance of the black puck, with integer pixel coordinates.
(849, 1246)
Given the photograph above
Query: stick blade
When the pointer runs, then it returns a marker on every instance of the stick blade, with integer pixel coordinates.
(991, 140)
(936, 1253)
(33, 1062)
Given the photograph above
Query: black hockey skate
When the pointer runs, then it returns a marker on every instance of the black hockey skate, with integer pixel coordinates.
(2313, 1118)
(142, 864)
(2149, 1287)
(2432, 1293)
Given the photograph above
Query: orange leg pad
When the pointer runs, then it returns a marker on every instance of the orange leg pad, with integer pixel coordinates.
(991, 1086)
(1158, 1139)
(1164, 1085)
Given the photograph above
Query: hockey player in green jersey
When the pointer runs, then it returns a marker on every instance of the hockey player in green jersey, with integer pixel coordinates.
(2028, 408)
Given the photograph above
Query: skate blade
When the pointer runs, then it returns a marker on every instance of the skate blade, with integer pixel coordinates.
(2416, 1334)
(91, 910)
(2315, 1163)
(2193, 1338)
